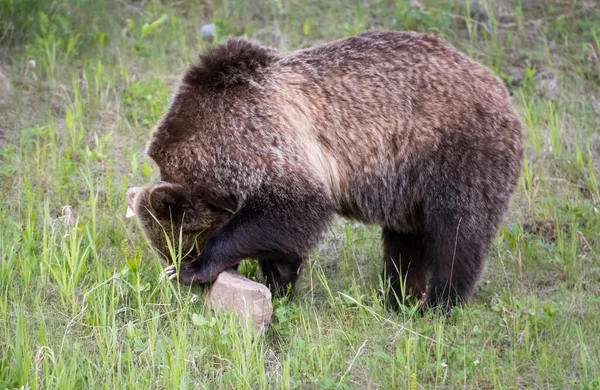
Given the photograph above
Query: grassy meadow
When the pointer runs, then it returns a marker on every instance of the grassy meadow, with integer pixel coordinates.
(82, 301)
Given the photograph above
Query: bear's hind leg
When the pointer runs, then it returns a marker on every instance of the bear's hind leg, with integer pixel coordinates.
(457, 248)
(405, 266)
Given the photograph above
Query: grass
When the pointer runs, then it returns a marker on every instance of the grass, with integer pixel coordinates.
(81, 301)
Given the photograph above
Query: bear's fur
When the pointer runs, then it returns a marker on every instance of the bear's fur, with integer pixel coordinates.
(397, 129)
(175, 223)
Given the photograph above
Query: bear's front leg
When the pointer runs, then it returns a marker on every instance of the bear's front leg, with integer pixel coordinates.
(202, 270)
(284, 225)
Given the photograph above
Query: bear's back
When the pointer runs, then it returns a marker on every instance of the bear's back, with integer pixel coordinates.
(385, 107)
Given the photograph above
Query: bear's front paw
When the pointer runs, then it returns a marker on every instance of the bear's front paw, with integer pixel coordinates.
(190, 273)
(171, 272)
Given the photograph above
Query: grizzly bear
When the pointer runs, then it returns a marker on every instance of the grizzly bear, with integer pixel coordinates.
(397, 129)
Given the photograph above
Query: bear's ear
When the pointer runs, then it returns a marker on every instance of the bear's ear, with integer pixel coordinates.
(132, 193)
(168, 201)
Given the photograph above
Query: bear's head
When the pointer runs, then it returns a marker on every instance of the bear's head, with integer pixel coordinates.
(175, 222)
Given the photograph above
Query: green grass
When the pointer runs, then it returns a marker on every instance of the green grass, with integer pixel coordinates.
(81, 301)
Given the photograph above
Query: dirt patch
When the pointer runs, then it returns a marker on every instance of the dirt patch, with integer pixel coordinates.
(2, 134)
(5, 88)
(545, 228)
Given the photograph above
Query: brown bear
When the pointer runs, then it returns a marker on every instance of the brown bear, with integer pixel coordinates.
(175, 223)
(397, 129)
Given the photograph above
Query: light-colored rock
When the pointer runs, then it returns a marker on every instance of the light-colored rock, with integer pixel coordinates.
(208, 32)
(5, 88)
(232, 291)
